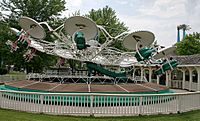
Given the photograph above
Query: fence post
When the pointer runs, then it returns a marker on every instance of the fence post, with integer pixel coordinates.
(198, 105)
(41, 102)
(140, 105)
(91, 105)
(179, 104)
(199, 101)
(1, 99)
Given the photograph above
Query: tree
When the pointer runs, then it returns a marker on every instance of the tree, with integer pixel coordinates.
(107, 18)
(40, 10)
(5, 55)
(190, 45)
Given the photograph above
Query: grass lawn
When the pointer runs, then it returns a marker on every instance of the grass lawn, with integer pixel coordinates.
(16, 73)
(12, 76)
(11, 115)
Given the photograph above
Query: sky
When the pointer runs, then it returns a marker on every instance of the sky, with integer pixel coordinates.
(158, 16)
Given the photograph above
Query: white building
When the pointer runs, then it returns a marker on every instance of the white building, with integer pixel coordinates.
(185, 76)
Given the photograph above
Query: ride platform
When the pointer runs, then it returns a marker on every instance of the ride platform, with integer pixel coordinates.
(38, 86)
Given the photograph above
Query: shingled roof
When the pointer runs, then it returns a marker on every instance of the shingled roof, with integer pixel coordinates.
(188, 59)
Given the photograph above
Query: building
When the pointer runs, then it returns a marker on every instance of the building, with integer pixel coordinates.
(185, 76)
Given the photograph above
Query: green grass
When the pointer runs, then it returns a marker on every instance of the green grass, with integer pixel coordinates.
(16, 73)
(12, 76)
(11, 115)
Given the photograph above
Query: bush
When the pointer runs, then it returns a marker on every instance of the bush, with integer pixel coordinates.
(3, 71)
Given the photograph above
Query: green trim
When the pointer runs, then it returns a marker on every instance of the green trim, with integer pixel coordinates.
(7, 87)
(100, 100)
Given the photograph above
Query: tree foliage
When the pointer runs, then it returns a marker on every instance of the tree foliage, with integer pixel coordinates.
(107, 18)
(40, 10)
(190, 45)
(5, 55)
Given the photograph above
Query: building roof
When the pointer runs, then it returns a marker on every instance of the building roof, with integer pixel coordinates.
(188, 59)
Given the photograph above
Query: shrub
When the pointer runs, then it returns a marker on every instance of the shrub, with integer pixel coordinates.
(3, 71)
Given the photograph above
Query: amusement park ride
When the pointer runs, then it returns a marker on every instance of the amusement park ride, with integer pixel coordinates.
(77, 39)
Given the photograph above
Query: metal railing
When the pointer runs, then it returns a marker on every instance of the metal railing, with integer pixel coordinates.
(79, 77)
(61, 74)
(98, 104)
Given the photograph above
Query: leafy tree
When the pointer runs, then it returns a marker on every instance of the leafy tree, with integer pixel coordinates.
(6, 58)
(40, 10)
(107, 18)
(190, 45)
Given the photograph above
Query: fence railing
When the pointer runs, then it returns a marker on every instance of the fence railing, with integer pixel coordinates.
(98, 104)
(81, 78)
(6, 78)
(177, 84)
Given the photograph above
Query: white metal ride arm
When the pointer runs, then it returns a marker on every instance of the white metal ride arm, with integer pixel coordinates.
(65, 40)
(109, 39)
(45, 23)
(104, 31)
(122, 34)
(137, 50)
(169, 62)
(53, 30)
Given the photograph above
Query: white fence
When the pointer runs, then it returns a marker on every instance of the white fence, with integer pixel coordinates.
(99, 104)
(188, 86)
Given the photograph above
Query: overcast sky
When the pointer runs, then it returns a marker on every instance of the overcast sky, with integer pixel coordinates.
(158, 16)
